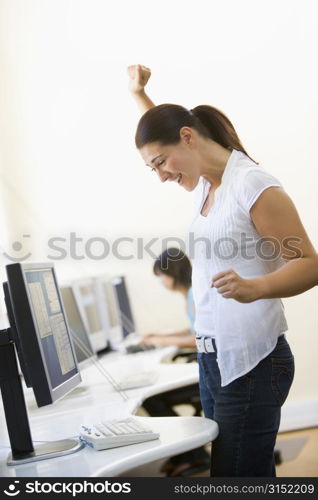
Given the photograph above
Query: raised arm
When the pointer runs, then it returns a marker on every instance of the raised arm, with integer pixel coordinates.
(138, 78)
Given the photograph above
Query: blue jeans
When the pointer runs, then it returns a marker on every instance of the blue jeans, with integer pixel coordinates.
(247, 412)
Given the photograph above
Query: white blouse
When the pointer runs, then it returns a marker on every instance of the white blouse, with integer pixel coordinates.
(227, 239)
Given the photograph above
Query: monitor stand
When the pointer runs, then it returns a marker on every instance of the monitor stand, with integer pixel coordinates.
(22, 449)
(48, 450)
(79, 391)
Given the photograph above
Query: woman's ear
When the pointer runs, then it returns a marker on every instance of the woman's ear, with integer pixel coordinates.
(187, 136)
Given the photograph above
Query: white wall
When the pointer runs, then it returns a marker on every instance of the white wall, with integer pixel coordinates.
(67, 123)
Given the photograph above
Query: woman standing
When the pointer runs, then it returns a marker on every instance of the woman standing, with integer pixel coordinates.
(249, 249)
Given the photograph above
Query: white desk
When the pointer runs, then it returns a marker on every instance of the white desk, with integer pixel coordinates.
(97, 401)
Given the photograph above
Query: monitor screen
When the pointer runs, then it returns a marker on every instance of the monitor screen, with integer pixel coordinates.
(106, 303)
(123, 303)
(55, 338)
(86, 298)
(90, 308)
(111, 302)
(42, 330)
(83, 347)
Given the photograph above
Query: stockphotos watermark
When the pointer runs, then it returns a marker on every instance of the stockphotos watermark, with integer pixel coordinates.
(99, 248)
(73, 488)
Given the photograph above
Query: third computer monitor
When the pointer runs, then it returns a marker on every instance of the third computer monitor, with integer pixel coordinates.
(83, 347)
(86, 298)
(125, 313)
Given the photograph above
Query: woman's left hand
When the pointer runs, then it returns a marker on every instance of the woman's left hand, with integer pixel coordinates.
(231, 286)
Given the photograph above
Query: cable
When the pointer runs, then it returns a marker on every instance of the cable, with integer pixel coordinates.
(80, 344)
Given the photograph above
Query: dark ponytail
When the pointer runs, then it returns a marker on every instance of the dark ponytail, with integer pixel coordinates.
(163, 123)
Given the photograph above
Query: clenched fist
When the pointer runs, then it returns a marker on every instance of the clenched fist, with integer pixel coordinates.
(138, 77)
(231, 286)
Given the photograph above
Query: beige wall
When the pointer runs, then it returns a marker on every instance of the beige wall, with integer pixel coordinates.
(68, 161)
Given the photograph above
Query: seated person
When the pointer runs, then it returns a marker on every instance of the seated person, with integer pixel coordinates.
(174, 270)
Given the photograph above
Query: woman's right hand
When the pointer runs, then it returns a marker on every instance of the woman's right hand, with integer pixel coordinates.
(154, 340)
(149, 335)
(138, 77)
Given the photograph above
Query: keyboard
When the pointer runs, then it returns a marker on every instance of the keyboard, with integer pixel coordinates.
(135, 380)
(115, 433)
(131, 349)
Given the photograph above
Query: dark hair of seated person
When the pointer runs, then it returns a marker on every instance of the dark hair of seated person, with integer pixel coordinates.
(173, 262)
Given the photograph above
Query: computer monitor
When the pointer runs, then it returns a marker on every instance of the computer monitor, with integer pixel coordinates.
(44, 344)
(43, 333)
(109, 312)
(123, 305)
(83, 347)
(86, 298)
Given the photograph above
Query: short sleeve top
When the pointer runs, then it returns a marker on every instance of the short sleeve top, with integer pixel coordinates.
(227, 239)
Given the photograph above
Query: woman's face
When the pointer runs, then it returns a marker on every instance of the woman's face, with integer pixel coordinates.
(166, 281)
(178, 162)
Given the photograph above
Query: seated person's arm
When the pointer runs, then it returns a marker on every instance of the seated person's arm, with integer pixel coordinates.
(184, 338)
(180, 333)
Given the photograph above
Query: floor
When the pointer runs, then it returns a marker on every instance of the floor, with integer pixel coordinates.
(305, 464)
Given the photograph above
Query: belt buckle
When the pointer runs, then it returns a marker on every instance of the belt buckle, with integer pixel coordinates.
(211, 345)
